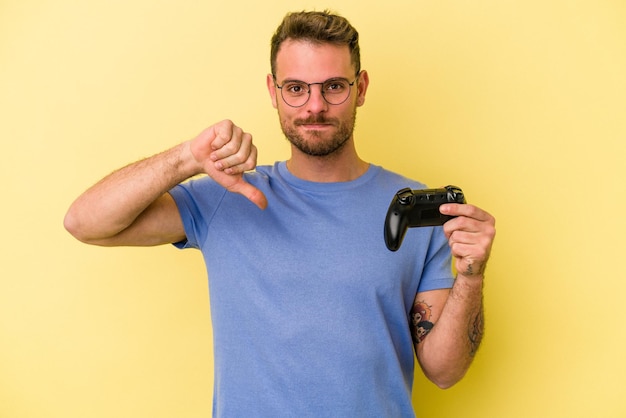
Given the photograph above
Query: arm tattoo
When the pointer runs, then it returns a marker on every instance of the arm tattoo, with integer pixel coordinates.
(475, 332)
(470, 270)
(420, 321)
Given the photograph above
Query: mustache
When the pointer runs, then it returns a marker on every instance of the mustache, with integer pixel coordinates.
(316, 119)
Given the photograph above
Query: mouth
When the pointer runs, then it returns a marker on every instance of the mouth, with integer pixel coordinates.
(315, 124)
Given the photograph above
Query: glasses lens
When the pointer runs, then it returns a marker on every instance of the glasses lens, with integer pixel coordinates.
(295, 93)
(336, 91)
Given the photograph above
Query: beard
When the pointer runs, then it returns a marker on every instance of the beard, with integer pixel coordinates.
(320, 144)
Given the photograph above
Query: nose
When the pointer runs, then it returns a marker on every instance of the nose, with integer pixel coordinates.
(316, 102)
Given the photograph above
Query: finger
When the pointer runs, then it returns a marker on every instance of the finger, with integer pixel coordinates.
(469, 251)
(462, 237)
(470, 246)
(472, 249)
(240, 168)
(463, 223)
(238, 160)
(470, 211)
(223, 132)
(251, 193)
(481, 238)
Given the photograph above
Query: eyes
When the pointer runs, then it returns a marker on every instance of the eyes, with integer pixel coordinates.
(334, 90)
(333, 87)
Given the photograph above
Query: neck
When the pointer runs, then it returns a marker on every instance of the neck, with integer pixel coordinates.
(343, 165)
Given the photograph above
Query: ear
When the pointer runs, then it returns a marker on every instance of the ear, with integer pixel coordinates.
(271, 87)
(364, 81)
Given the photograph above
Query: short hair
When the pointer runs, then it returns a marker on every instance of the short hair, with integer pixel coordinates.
(317, 27)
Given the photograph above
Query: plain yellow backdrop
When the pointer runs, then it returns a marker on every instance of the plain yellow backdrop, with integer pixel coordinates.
(522, 104)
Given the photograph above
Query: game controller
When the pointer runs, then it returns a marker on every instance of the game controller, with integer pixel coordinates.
(412, 208)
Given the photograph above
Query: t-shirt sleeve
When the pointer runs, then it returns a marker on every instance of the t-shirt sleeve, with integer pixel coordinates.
(197, 201)
(437, 273)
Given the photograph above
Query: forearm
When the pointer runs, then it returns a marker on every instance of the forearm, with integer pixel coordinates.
(115, 202)
(447, 352)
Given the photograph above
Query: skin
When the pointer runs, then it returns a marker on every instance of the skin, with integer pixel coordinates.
(314, 63)
(131, 206)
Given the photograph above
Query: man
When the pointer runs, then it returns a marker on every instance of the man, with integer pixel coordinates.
(312, 315)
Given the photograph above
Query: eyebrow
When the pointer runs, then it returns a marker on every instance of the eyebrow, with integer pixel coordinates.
(291, 80)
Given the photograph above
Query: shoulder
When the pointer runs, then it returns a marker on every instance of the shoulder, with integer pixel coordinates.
(395, 180)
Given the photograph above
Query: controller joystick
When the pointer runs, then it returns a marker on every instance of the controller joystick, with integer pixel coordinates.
(413, 208)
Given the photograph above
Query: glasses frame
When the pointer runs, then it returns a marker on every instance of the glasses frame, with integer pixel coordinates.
(321, 90)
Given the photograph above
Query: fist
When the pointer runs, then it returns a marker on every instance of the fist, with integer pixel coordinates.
(224, 152)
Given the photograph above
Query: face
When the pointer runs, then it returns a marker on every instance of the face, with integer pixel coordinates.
(317, 128)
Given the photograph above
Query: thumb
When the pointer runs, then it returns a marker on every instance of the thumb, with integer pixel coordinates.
(250, 192)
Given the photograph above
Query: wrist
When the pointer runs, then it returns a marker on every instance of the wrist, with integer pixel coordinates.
(186, 162)
(470, 280)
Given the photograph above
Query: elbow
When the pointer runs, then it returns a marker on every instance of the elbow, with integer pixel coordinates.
(73, 224)
(446, 371)
(446, 383)
(446, 380)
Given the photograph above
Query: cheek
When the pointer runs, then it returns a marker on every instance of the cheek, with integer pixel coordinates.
(348, 115)
(282, 114)
(289, 114)
(285, 119)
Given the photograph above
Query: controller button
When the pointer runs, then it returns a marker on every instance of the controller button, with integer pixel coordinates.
(404, 196)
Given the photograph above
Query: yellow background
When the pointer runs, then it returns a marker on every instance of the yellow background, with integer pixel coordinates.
(522, 104)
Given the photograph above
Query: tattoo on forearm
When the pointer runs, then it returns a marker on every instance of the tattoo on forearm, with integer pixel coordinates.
(475, 332)
(420, 321)
(469, 271)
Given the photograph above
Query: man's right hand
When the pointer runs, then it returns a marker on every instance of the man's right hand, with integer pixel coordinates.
(224, 152)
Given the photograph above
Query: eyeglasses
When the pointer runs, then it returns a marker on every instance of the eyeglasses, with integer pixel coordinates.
(296, 93)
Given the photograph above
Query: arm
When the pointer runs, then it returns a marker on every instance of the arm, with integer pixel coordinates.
(131, 206)
(452, 320)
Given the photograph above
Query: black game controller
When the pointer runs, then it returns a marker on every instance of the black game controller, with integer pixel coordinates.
(411, 208)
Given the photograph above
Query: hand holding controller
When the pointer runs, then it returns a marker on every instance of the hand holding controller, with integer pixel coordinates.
(412, 208)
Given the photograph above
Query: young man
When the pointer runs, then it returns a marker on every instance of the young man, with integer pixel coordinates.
(312, 315)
